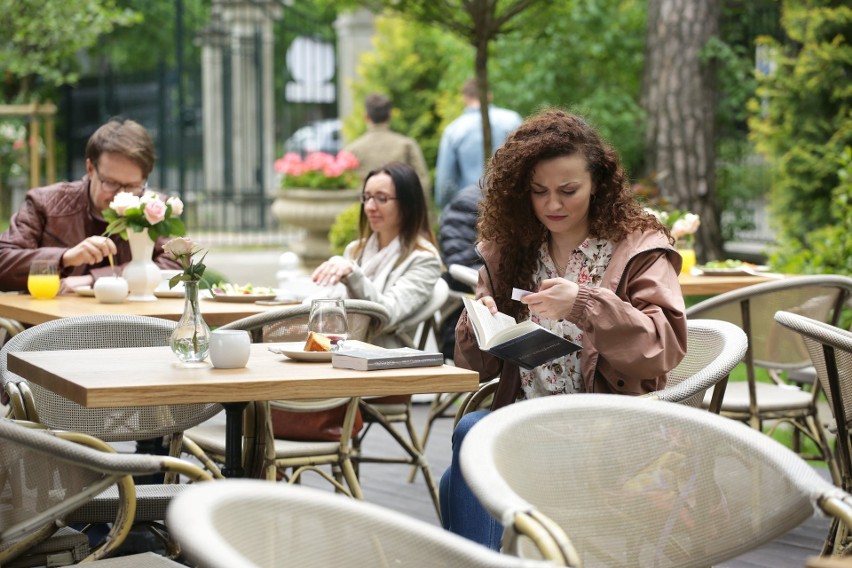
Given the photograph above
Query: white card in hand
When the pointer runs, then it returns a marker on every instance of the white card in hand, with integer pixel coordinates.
(517, 293)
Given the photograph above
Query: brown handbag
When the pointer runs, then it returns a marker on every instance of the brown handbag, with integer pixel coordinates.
(317, 426)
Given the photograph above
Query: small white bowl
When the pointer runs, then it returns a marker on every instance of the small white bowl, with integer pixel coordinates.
(111, 289)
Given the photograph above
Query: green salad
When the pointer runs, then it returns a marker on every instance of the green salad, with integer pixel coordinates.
(728, 263)
(228, 289)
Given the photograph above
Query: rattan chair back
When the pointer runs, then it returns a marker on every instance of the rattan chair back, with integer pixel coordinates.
(253, 524)
(100, 332)
(633, 482)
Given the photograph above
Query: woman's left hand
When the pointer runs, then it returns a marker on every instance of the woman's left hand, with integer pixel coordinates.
(554, 299)
(332, 271)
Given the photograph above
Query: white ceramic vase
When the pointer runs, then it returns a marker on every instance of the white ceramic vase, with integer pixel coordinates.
(142, 275)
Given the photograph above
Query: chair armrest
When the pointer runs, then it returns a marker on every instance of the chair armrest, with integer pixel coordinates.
(473, 400)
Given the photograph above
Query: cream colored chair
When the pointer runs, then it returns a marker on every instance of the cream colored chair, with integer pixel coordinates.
(251, 524)
(830, 349)
(49, 479)
(616, 481)
(290, 458)
(778, 350)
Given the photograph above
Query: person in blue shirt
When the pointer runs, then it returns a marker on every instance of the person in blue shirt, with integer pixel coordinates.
(460, 161)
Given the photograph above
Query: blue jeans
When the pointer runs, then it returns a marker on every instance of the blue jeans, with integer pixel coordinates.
(461, 512)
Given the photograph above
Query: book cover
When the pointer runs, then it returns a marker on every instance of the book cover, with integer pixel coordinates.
(526, 344)
(375, 359)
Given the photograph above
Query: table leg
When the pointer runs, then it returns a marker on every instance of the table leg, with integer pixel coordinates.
(234, 439)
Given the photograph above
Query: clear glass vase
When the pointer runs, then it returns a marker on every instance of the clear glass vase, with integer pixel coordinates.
(191, 340)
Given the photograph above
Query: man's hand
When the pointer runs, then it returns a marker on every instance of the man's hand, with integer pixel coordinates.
(554, 299)
(92, 250)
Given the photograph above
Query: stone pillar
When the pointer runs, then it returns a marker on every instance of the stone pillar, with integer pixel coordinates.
(355, 32)
(239, 109)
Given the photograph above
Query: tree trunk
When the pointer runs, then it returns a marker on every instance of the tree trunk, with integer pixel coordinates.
(679, 94)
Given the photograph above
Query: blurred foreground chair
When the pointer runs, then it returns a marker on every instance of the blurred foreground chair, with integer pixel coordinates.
(830, 349)
(777, 349)
(714, 348)
(50, 479)
(617, 481)
(273, 454)
(250, 524)
(387, 410)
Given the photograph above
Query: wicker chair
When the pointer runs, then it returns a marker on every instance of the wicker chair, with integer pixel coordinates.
(714, 348)
(605, 480)
(46, 477)
(251, 524)
(385, 411)
(291, 458)
(830, 349)
(777, 349)
(109, 424)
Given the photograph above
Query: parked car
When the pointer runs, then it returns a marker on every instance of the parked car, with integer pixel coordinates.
(319, 136)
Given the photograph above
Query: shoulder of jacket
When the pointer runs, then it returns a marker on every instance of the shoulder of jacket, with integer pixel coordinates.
(63, 198)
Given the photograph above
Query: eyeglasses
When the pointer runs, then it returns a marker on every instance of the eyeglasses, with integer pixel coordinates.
(380, 198)
(114, 187)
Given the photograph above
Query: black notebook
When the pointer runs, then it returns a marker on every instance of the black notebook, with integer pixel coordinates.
(526, 343)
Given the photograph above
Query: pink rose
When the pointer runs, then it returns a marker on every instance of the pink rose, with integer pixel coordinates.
(155, 211)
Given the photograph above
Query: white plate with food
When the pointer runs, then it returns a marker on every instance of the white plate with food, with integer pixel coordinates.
(244, 293)
(85, 291)
(730, 268)
(296, 351)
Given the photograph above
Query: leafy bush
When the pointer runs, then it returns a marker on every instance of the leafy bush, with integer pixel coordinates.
(803, 125)
(345, 228)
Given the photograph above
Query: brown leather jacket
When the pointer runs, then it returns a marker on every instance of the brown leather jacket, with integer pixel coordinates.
(634, 324)
(51, 220)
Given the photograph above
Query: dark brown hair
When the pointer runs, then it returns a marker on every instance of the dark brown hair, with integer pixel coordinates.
(414, 215)
(378, 108)
(507, 216)
(125, 137)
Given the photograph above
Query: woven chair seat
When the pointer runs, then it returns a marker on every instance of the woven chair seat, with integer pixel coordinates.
(770, 398)
(66, 543)
(151, 504)
(144, 560)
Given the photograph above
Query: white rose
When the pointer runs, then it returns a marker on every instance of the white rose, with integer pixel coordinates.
(148, 197)
(177, 205)
(179, 247)
(123, 201)
(686, 225)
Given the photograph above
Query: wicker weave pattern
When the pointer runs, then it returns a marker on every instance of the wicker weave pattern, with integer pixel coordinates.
(713, 349)
(245, 523)
(639, 483)
(103, 332)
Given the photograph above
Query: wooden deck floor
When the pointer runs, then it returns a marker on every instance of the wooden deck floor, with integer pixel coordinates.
(386, 485)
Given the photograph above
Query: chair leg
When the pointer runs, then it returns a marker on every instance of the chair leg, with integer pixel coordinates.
(436, 410)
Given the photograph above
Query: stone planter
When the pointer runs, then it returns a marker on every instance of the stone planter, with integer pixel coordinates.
(315, 211)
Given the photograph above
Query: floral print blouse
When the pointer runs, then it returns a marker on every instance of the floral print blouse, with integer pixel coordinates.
(586, 267)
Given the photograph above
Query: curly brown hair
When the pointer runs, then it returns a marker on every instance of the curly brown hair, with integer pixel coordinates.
(507, 218)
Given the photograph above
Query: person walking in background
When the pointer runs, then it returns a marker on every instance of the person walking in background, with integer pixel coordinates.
(457, 241)
(381, 145)
(460, 152)
(63, 221)
(559, 219)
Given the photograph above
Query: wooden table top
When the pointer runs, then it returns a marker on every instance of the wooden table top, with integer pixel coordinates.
(29, 311)
(148, 376)
(691, 284)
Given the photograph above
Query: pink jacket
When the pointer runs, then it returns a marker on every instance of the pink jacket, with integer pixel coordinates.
(634, 324)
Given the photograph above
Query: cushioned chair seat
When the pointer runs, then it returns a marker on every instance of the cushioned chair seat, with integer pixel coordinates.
(151, 504)
(769, 397)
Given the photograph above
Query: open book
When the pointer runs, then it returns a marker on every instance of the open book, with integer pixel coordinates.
(526, 343)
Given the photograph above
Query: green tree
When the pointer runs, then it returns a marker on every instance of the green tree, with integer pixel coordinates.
(802, 122)
(42, 39)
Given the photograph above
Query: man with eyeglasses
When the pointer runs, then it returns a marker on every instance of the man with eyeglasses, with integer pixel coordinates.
(63, 221)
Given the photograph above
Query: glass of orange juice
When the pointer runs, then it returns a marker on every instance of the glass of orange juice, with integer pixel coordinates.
(688, 256)
(43, 281)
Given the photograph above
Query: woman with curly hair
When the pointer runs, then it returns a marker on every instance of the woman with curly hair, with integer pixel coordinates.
(559, 218)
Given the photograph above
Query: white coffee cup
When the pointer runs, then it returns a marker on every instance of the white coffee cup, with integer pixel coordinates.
(110, 289)
(229, 348)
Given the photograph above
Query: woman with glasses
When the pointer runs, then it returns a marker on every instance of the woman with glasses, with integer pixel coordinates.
(63, 221)
(394, 261)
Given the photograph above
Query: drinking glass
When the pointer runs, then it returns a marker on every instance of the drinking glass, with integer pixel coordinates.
(43, 281)
(328, 317)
